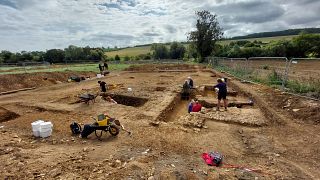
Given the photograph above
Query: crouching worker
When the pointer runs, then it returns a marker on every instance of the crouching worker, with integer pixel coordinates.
(185, 94)
(222, 93)
(190, 106)
(190, 82)
(103, 87)
(196, 106)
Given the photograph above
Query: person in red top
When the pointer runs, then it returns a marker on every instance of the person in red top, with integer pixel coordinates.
(196, 107)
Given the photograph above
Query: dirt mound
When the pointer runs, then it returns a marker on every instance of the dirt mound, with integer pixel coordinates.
(298, 108)
(10, 82)
(151, 67)
(6, 115)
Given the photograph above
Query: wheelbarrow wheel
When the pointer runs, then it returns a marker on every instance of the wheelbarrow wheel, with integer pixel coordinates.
(114, 130)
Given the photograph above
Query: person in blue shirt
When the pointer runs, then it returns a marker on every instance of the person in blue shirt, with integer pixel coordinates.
(222, 93)
(190, 106)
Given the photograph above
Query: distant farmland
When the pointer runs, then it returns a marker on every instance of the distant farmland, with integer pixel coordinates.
(135, 51)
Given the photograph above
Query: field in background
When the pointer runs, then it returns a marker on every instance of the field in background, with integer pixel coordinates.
(135, 51)
(59, 68)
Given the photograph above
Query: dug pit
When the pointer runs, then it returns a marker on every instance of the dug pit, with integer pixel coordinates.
(126, 100)
(6, 115)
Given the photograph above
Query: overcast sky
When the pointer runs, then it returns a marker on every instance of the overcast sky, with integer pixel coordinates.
(45, 24)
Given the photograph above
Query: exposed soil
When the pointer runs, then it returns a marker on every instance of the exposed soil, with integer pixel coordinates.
(6, 115)
(10, 82)
(270, 135)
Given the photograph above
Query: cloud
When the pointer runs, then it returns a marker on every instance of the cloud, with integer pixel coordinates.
(8, 3)
(40, 25)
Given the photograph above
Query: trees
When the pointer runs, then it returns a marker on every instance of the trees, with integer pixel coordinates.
(307, 45)
(74, 53)
(117, 58)
(160, 51)
(177, 50)
(206, 34)
(54, 56)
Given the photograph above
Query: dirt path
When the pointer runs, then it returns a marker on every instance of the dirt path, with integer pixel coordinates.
(281, 146)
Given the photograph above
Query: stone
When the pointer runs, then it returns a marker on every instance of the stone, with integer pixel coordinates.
(85, 149)
(55, 172)
(54, 142)
(153, 123)
(295, 110)
(151, 178)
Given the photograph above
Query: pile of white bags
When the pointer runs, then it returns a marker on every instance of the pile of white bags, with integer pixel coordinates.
(41, 128)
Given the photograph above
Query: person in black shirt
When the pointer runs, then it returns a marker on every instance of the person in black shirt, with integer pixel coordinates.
(222, 93)
(103, 86)
(101, 68)
(106, 67)
(190, 82)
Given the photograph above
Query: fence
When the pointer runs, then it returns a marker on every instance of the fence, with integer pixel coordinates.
(299, 75)
(23, 66)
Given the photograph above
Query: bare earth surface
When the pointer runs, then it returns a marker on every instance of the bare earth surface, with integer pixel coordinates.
(278, 135)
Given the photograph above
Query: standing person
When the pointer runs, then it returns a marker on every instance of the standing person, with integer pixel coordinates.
(196, 106)
(190, 82)
(101, 68)
(106, 67)
(222, 93)
(190, 106)
(103, 86)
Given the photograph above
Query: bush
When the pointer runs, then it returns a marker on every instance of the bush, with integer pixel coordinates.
(117, 58)
(126, 58)
(274, 78)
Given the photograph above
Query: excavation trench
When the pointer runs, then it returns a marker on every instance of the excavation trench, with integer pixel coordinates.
(6, 115)
(207, 98)
(126, 100)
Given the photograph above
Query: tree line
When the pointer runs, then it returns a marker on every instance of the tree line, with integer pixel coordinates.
(69, 54)
(302, 46)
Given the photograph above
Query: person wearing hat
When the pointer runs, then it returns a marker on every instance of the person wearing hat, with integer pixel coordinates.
(222, 93)
(190, 82)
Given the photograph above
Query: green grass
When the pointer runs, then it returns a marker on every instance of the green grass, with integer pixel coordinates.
(62, 68)
(135, 51)
(275, 80)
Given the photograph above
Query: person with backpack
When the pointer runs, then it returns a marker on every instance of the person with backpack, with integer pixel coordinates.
(222, 93)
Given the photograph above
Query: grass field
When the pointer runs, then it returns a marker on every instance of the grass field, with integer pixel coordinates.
(60, 68)
(134, 51)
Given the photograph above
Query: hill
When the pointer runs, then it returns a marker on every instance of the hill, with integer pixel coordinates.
(144, 49)
(288, 32)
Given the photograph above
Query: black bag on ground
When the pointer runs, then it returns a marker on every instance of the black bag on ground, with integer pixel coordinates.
(87, 130)
(75, 128)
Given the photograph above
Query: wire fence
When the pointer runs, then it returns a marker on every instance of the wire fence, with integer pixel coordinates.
(298, 75)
